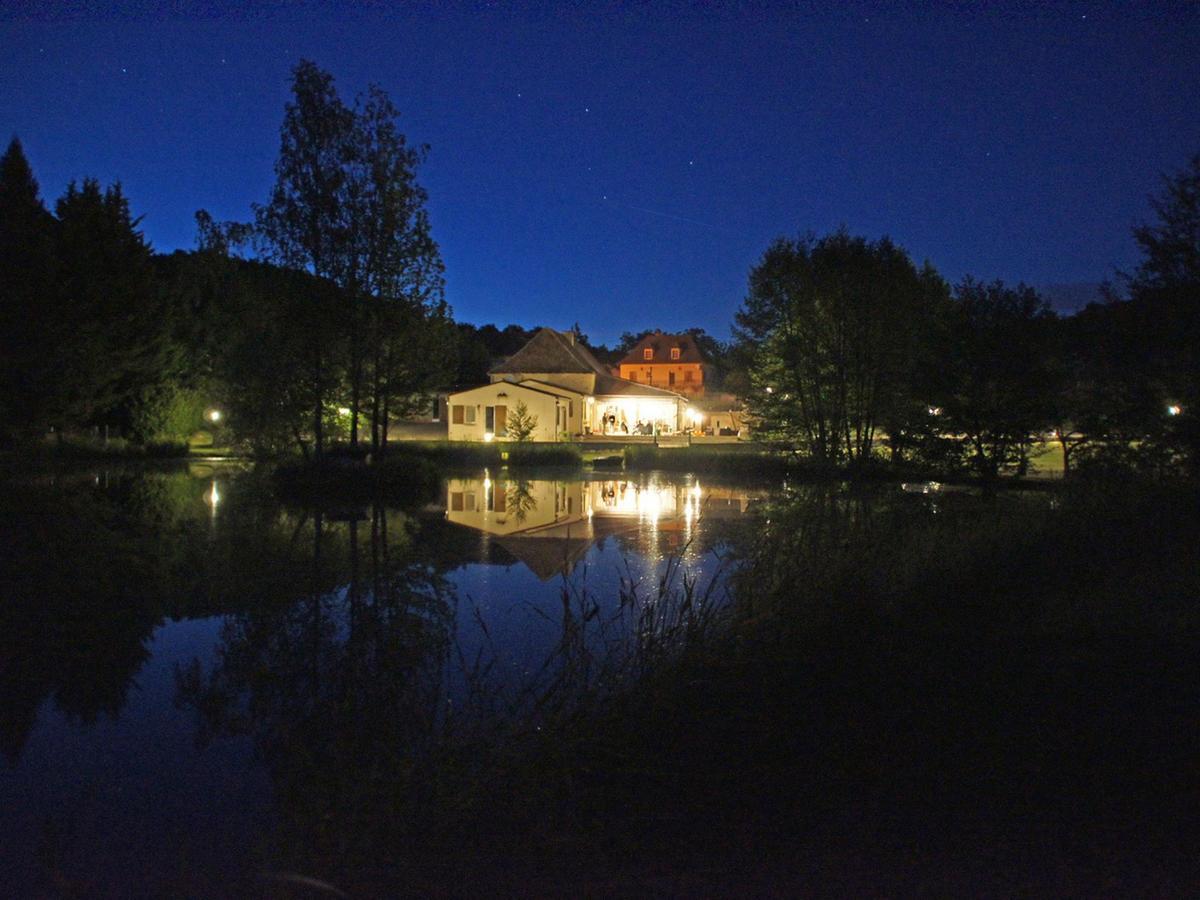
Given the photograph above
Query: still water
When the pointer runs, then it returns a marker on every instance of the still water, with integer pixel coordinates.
(181, 656)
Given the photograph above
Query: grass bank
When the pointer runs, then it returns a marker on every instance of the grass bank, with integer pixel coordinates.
(492, 454)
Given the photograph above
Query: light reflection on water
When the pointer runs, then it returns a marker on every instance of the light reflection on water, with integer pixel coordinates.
(167, 638)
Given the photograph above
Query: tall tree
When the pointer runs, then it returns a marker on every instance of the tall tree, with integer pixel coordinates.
(1165, 295)
(999, 366)
(115, 325)
(400, 266)
(830, 325)
(347, 207)
(306, 223)
(27, 293)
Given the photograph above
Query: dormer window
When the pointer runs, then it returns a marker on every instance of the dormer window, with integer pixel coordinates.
(648, 353)
(674, 353)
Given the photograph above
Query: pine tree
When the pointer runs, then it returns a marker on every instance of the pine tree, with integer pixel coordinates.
(27, 275)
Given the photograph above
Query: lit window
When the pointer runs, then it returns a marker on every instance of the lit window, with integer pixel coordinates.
(648, 353)
(470, 415)
(674, 353)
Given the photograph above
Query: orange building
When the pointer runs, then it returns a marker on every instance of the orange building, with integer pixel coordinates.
(669, 361)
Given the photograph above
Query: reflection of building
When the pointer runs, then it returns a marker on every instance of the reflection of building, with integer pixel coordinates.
(561, 384)
(549, 525)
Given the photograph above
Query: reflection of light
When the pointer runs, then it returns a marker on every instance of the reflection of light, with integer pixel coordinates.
(650, 502)
(487, 480)
(213, 497)
(696, 490)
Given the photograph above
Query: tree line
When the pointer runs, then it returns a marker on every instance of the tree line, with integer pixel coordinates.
(323, 317)
(851, 348)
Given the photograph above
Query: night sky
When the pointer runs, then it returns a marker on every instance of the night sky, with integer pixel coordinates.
(625, 166)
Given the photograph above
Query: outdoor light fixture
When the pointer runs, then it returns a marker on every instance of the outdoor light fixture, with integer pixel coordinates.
(935, 410)
(489, 436)
(214, 415)
(1174, 409)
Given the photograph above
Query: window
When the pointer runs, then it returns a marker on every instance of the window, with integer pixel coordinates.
(687, 376)
(674, 353)
(633, 375)
(435, 413)
(456, 413)
(470, 415)
(489, 418)
(571, 408)
(670, 378)
(648, 353)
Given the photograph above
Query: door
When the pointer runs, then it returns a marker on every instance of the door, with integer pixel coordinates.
(501, 421)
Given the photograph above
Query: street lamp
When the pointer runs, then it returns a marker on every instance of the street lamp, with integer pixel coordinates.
(214, 415)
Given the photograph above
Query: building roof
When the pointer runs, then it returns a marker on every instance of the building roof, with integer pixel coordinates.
(534, 386)
(661, 344)
(612, 386)
(557, 352)
(550, 351)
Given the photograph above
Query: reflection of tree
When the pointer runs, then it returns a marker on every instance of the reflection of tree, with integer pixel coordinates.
(83, 574)
(341, 689)
(520, 499)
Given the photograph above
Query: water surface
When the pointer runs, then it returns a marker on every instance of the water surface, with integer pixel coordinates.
(189, 669)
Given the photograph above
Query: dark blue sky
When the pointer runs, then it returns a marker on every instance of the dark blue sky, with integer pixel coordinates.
(624, 166)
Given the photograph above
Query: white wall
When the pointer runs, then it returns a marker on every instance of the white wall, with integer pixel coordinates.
(502, 393)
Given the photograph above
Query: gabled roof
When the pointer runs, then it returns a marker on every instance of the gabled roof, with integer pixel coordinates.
(532, 386)
(550, 351)
(661, 345)
(557, 352)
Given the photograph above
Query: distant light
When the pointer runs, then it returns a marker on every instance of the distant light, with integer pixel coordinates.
(935, 410)
(214, 415)
(770, 390)
(1174, 409)
(343, 410)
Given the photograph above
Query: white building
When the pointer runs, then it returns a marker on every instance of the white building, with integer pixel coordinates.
(569, 393)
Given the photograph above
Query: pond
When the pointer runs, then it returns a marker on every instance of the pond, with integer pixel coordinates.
(184, 660)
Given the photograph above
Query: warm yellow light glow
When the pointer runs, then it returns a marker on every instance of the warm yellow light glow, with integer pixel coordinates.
(343, 410)
(214, 415)
(213, 497)
(1174, 409)
(489, 436)
(935, 410)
